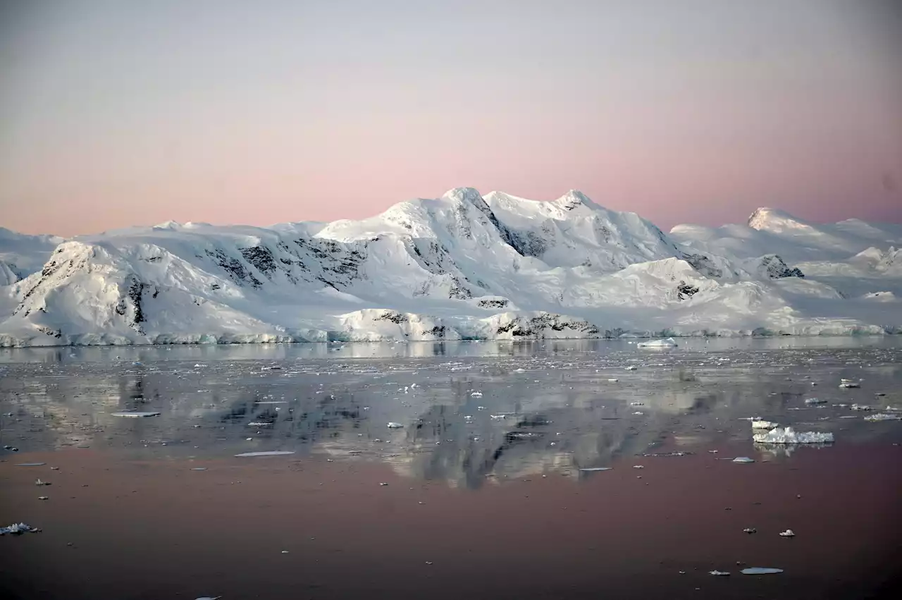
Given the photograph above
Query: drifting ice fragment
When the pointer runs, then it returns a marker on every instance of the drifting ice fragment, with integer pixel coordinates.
(393, 425)
(749, 530)
(810, 401)
(34, 464)
(631, 368)
(209, 598)
(595, 469)
(883, 417)
(743, 460)
(17, 529)
(860, 407)
(788, 436)
(268, 453)
(765, 424)
(788, 533)
(717, 573)
(761, 571)
(136, 414)
(848, 384)
(668, 343)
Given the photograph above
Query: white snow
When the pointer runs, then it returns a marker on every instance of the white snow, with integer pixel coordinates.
(786, 435)
(462, 266)
(764, 425)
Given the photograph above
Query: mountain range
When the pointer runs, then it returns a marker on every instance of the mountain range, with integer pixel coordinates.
(462, 266)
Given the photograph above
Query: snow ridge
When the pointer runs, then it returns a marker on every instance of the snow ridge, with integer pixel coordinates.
(461, 266)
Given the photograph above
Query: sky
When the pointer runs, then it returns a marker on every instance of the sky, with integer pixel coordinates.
(123, 113)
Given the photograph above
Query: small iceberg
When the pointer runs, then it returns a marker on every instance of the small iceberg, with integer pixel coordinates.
(743, 460)
(267, 453)
(761, 571)
(717, 573)
(136, 414)
(668, 343)
(764, 425)
(812, 401)
(394, 425)
(848, 384)
(18, 529)
(788, 533)
(595, 469)
(788, 436)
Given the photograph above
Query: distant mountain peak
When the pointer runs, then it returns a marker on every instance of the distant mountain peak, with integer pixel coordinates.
(464, 194)
(765, 218)
(573, 199)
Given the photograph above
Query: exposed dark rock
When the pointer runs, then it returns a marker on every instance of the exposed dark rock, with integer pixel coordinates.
(703, 265)
(261, 258)
(774, 267)
(685, 290)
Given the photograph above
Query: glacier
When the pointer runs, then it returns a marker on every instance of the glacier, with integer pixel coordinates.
(460, 267)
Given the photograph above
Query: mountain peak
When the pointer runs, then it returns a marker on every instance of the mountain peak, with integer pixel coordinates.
(574, 198)
(773, 219)
(464, 194)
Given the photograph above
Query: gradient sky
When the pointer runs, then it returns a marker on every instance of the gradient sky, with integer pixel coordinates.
(118, 113)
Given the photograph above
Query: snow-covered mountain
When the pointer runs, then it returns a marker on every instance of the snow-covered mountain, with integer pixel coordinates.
(462, 266)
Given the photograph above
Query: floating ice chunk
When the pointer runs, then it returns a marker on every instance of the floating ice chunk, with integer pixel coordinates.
(17, 529)
(266, 453)
(883, 417)
(613, 380)
(764, 425)
(595, 469)
(860, 407)
(476, 395)
(259, 424)
(136, 414)
(209, 598)
(848, 384)
(668, 343)
(717, 573)
(810, 401)
(788, 436)
(761, 571)
(631, 368)
(789, 533)
(393, 425)
(749, 530)
(34, 464)
(744, 460)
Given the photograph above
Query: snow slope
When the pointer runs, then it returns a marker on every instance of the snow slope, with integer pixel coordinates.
(462, 266)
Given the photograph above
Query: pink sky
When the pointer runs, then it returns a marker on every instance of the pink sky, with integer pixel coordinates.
(259, 113)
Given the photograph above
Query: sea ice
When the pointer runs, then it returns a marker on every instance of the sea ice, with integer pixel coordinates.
(17, 528)
(136, 414)
(668, 343)
(761, 571)
(267, 453)
(788, 436)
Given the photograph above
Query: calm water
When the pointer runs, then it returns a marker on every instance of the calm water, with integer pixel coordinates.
(487, 490)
